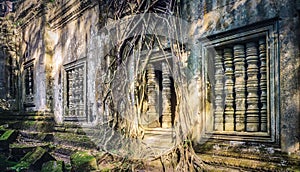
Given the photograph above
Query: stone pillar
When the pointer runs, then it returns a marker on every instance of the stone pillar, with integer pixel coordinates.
(81, 91)
(71, 94)
(240, 87)
(219, 92)
(76, 92)
(152, 113)
(252, 87)
(166, 97)
(229, 90)
(263, 85)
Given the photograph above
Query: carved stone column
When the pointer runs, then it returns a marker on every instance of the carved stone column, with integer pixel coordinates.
(252, 87)
(71, 92)
(263, 85)
(152, 113)
(81, 92)
(219, 92)
(166, 97)
(229, 90)
(240, 87)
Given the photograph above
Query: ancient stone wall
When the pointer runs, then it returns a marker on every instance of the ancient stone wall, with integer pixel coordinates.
(251, 77)
(70, 33)
(220, 21)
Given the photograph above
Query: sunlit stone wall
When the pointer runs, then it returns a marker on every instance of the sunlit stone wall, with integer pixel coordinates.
(62, 35)
(218, 19)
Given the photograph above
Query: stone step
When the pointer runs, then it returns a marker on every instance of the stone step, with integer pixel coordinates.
(244, 164)
(18, 150)
(26, 116)
(63, 129)
(159, 131)
(256, 152)
(159, 140)
(71, 139)
(29, 136)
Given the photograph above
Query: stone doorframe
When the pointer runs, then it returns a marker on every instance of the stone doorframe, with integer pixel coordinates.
(160, 91)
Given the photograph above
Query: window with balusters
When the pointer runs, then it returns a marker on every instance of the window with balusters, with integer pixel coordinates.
(75, 92)
(28, 79)
(240, 70)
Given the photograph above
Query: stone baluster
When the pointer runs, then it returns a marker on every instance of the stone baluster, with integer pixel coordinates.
(229, 90)
(219, 92)
(71, 90)
(263, 85)
(80, 91)
(240, 87)
(30, 79)
(76, 90)
(166, 97)
(252, 88)
(152, 113)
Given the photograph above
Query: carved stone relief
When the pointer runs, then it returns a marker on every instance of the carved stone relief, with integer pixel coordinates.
(74, 92)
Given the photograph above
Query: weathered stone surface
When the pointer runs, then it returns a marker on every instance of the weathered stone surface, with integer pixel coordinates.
(83, 161)
(35, 159)
(6, 138)
(66, 34)
(53, 166)
(19, 150)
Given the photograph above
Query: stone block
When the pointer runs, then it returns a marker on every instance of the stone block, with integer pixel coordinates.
(53, 166)
(6, 138)
(35, 159)
(83, 161)
(19, 150)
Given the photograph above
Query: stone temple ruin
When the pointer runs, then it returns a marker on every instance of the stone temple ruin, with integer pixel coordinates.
(242, 56)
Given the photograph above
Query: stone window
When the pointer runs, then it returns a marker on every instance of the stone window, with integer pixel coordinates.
(161, 94)
(240, 72)
(75, 92)
(29, 83)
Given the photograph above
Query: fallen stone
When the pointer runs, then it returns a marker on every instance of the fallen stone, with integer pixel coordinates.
(17, 151)
(35, 159)
(83, 161)
(53, 166)
(6, 138)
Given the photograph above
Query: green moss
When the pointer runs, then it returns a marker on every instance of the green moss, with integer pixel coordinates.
(32, 156)
(53, 166)
(83, 161)
(21, 166)
(7, 134)
(68, 167)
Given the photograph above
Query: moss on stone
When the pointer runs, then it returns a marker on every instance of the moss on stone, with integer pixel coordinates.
(31, 156)
(83, 161)
(74, 140)
(21, 166)
(6, 138)
(53, 166)
(7, 135)
(36, 158)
